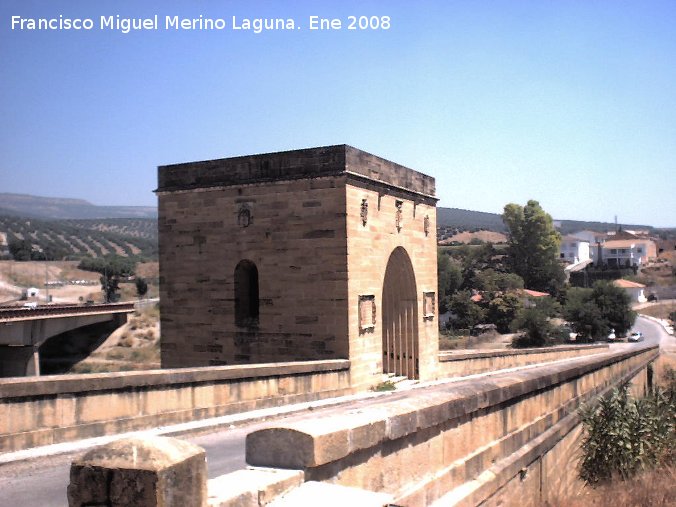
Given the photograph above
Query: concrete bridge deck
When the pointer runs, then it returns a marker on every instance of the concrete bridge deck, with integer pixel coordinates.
(24, 330)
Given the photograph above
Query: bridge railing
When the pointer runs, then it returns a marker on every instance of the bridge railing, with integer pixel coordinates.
(464, 439)
(505, 436)
(60, 408)
(55, 310)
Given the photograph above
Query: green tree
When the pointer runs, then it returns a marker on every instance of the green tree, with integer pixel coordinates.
(449, 276)
(615, 306)
(535, 328)
(141, 286)
(494, 281)
(21, 250)
(466, 313)
(502, 310)
(533, 246)
(112, 269)
(594, 312)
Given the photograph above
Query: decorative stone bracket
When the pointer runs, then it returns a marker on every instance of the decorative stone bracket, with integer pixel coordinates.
(367, 313)
(429, 305)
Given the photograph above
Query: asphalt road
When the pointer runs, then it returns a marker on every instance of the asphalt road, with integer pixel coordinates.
(43, 482)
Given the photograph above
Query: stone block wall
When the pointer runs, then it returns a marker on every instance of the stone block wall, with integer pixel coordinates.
(296, 239)
(458, 443)
(299, 217)
(458, 363)
(369, 246)
(63, 408)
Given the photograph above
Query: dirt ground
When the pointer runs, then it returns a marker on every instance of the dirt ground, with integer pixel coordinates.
(16, 276)
(133, 346)
(466, 237)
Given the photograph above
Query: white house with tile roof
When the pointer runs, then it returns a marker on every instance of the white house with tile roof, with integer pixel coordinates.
(574, 249)
(634, 289)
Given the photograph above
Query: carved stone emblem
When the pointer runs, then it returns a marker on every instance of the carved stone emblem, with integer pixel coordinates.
(399, 215)
(429, 303)
(364, 213)
(367, 313)
(426, 225)
(244, 216)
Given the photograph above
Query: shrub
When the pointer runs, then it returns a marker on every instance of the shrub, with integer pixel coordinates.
(387, 385)
(624, 436)
(535, 327)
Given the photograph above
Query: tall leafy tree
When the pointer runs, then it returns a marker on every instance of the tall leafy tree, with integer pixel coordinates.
(449, 275)
(533, 250)
(141, 286)
(594, 312)
(535, 326)
(20, 249)
(112, 268)
(466, 313)
(502, 310)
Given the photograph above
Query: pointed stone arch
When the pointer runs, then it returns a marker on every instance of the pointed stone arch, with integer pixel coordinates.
(400, 316)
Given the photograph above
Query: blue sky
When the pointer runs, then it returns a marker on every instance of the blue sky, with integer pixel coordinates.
(572, 103)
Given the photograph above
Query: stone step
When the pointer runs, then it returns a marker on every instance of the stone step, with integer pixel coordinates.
(400, 381)
(311, 494)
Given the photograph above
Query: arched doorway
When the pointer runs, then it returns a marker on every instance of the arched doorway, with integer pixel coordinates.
(400, 316)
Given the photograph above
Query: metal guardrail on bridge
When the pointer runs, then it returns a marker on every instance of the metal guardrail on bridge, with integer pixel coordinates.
(55, 310)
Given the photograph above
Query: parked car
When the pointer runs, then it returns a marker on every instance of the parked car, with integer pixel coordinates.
(31, 306)
(653, 298)
(635, 337)
(611, 336)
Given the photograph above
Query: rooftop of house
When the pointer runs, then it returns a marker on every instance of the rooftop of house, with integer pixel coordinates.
(572, 237)
(628, 284)
(535, 293)
(622, 243)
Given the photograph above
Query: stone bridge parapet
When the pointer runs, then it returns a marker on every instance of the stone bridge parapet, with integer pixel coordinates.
(461, 441)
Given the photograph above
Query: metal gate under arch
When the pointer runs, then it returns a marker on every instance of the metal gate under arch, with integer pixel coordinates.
(400, 317)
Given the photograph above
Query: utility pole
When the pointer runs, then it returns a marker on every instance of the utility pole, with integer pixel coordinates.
(47, 281)
(105, 284)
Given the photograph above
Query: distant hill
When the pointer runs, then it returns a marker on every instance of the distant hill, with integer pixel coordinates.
(31, 206)
(454, 219)
(76, 228)
(466, 220)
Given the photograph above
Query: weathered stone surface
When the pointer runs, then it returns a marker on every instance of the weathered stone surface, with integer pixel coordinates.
(312, 494)
(304, 444)
(320, 226)
(80, 406)
(253, 487)
(427, 442)
(140, 472)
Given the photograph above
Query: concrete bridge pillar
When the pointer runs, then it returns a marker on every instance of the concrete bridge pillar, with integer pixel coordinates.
(19, 361)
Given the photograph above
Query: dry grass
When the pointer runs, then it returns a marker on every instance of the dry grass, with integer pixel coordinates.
(134, 346)
(148, 269)
(655, 488)
(466, 237)
(464, 342)
(664, 369)
(659, 310)
(33, 273)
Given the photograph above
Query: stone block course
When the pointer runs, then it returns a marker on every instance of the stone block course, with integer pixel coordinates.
(447, 436)
(304, 231)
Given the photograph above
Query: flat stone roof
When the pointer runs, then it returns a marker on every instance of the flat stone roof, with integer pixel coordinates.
(291, 165)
